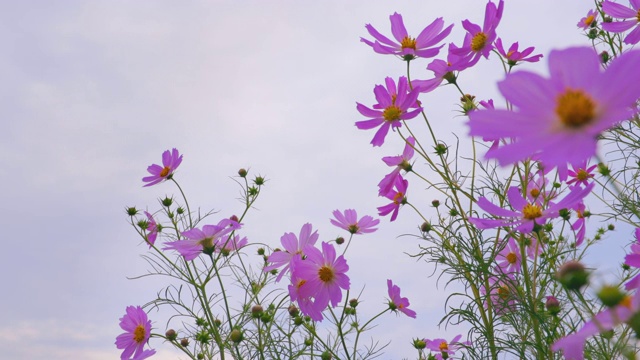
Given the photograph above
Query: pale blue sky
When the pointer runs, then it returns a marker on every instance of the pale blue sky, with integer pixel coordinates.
(95, 91)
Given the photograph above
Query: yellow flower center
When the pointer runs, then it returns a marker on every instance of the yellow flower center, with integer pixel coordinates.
(444, 346)
(165, 171)
(207, 243)
(408, 42)
(512, 258)
(509, 54)
(139, 333)
(353, 229)
(531, 211)
(534, 192)
(503, 292)
(478, 41)
(638, 15)
(575, 108)
(397, 199)
(582, 175)
(326, 274)
(392, 113)
(589, 20)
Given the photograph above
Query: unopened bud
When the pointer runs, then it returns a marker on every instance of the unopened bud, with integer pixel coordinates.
(184, 342)
(256, 311)
(419, 344)
(242, 172)
(572, 275)
(171, 334)
(353, 303)
(236, 336)
(132, 211)
(552, 305)
(610, 295)
(340, 240)
(425, 227)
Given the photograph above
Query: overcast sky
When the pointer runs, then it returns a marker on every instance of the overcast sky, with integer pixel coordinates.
(95, 91)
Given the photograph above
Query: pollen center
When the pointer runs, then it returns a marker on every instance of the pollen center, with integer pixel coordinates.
(408, 42)
(575, 108)
(397, 199)
(392, 113)
(590, 19)
(531, 212)
(353, 228)
(165, 171)
(139, 333)
(443, 346)
(479, 41)
(326, 274)
(207, 243)
(582, 175)
(512, 258)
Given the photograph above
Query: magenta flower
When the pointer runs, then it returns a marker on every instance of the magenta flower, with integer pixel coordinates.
(229, 244)
(580, 224)
(137, 327)
(397, 197)
(152, 229)
(633, 259)
(406, 46)
(302, 293)
(559, 119)
(199, 241)
(170, 162)
(502, 292)
(585, 22)
(442, 70)
(513, 55)
(398, 303)
(580, 173)
(622, 12)
(479, 41)
(509, 258)
(349, 221)
(401, 162)
(441, 346)
(392, 107)
(325, 274)
(292, 245)
(527, 214)
(534, 247)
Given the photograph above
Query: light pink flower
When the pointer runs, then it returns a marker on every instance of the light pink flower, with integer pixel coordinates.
(398, 197)
(513, 55)
(152, 229)
(401, 162)
(622, 12)
(580, 224)
(137, 327)
(442, 70)
(292, 245)
(441, 346)
(406, 46)
(558, 119)
(479, 41)
(397, 302)
(199, 241)
(585, 22)
(349, 221)
(228, 244)
(509, 259)
(170, 162)
(393, 106)
(502, 292)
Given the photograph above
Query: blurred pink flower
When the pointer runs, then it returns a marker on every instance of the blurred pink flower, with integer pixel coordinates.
(622, 12)
(585, 22)
(513, 55)
(398, 303)
(509, 259)
(137, 327)
(170, 162)
(292, 245)
(349, 221)
(441, 346)
(558, 119)
(199, 241)
(392, 107)
(406, 46)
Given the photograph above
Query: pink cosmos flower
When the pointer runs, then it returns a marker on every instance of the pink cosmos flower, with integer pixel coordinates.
(406, 46)
(441, 346)
(292, 245)
(392, 107)
(527, 214)
(229, 244)
(401, 162)
(580, 173)
(479, 41)
(137, 327)
(325, 274)
(349, 221)
(502, 292)
(170, 162)
(513, 55)
(534, 247)
(586, 21)
(559, 118)
(398, 197)
(199, 241)
(572, 345)
(633, 259)
(398, 303)
(509, 258)
(442, 70)
(302, 293)
(622, 12)
(152, 229)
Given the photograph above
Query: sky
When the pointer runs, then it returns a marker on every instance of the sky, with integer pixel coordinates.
(95, 91)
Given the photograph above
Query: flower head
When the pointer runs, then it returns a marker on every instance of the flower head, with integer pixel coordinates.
(398, 303)
(398, 197)
(229, 244)
(198, 241)
(170, 162)
(349, 221)
(580, 173)
(292, 245)
(152, 228)
(513, 55)
(479, 41)
(622, 12)
(441, 346)
(509, 258)
(587, 21)
(502, 293)
(401, 162)
(393, 106)
(558, 119)
(405, 46)
(137, 327)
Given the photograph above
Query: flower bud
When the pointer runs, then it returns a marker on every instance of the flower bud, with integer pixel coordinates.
(256, 311)
(259, 180)
(435, 203)
(234, 218)
(610, 295)
(132, 211)
(604, 57)
(261, 251)
(326, 355)
(340, 240)
(180, 210)
(353, 303)
(572, 275)
(171, 335)
(167, 201)
(297, 321)
(308, 342)
(552, 305)
(265, 318)
(242, 173)
(200, 356)
(236, 336)
(184, 342)
(440, 149)
(419, 344)
(293, 310)
(425, 227)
